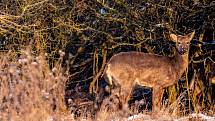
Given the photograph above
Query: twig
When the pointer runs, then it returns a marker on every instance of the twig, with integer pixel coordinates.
(199, 61)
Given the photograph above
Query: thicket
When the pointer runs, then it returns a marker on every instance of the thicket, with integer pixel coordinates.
(91, 31)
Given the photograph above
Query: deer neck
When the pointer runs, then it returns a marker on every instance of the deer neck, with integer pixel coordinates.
(182, 62)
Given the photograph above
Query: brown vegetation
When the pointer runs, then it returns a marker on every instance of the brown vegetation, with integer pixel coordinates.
(29, 90)
(90, 32)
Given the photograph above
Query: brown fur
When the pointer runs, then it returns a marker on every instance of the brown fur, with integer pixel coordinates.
(213, 80)
(127, 69)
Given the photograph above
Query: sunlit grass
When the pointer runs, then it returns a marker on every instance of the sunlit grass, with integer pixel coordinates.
(29, 90)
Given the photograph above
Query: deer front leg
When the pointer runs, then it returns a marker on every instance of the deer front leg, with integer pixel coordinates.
(157, 99)
(125, 95)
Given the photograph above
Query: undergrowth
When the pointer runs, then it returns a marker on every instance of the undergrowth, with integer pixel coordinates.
(29, 90)
(39, 82)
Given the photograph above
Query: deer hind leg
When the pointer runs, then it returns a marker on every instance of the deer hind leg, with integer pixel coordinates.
(157, 99)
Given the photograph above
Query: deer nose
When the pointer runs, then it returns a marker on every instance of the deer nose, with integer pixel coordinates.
(182, 50)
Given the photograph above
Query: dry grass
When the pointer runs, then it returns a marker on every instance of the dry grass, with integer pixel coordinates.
(29, 90)
(177, 111)
(91, 31)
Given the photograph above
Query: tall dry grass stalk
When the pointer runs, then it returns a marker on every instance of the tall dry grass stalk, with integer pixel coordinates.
(29, 90)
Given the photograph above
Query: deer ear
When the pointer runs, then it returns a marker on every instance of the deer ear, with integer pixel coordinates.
(191, 35)
(173, 37)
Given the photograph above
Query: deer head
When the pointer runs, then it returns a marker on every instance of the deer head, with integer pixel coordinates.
(182, 42)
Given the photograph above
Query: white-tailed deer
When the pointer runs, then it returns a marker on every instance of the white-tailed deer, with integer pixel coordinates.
(126, 69)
